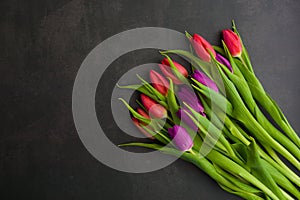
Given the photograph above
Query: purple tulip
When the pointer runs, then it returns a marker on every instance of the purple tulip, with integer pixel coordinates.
(181, 138)
(203, 79)
(187, 95)
(181, 113)
(186, 119)
(224, 61)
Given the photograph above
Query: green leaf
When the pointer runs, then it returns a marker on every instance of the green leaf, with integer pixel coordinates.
(232, 167)
(175, 70)
(134, 113)
(157, 135)
(241, 149)
(280, 179)
(219, 50)
(215, 97)
(145, 89)
(172, 103)
(206, 67)
(151, 88)
(257, 169)
(243, 194)
(241, 183)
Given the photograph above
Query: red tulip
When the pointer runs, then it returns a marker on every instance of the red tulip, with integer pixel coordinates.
(202, 48)
(159, 82)
(138, 125)
(154, 109)
(179, 67)
(233, 42)
(167, 71)
(143, 113)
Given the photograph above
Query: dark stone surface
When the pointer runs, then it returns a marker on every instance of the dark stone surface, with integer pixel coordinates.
(43, 43)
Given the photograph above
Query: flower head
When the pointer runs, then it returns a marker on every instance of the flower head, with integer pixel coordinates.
(181, 113)
(202, 48)
(159, 82)
(138, 124)
(224, 61)
(143, 113)
(187, 95)
(181, 138)
(203, 79)
(154, 109)
(233, 42)
(167, 70)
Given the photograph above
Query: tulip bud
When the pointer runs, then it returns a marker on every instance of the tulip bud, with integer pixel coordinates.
(186, 95)
(137, 124)
(154, 109)
(159, 82)
(167, 70)
(178, 66)
(186, 119)
(202, 48)
(181, 138)
(143, 113)
(203, 79)
(224, 61)
(233, 43)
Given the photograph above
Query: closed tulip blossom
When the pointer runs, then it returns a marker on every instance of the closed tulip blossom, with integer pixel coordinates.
(202, 48)
(187, 95)
(224, 61)
(138, 124)
(159, 82)
(167, 70)
(154, 109)
(181, 138)
(181, 113)
(203, 79)
(233, 42)
(143, 113)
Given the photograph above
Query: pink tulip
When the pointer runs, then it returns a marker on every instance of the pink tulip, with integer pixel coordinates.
(159, 82)
(202, 48)
(138, 125)
(167, 71)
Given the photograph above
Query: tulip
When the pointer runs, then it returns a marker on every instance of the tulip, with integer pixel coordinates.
(186, 119)
(143, 113)
(138, 125)
(188, 96)
(224, 61)
(167, 71)
(181, 138)
(159, 82)
(233, 42)
(202, 48)
(203, 79)
(178, 66)
(154, 109)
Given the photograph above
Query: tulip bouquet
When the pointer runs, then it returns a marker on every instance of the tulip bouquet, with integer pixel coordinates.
(218, 118)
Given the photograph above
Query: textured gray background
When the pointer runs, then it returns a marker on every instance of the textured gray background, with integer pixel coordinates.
(42, 44)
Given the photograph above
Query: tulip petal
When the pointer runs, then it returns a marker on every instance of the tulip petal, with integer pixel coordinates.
(159, 82)
(155, 110)
(203, 79)
(181, 138)
(232, 42)
(202, 48)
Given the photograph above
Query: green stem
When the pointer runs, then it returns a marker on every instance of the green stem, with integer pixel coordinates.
(234, 168)
(281, 168)
(265, 138)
